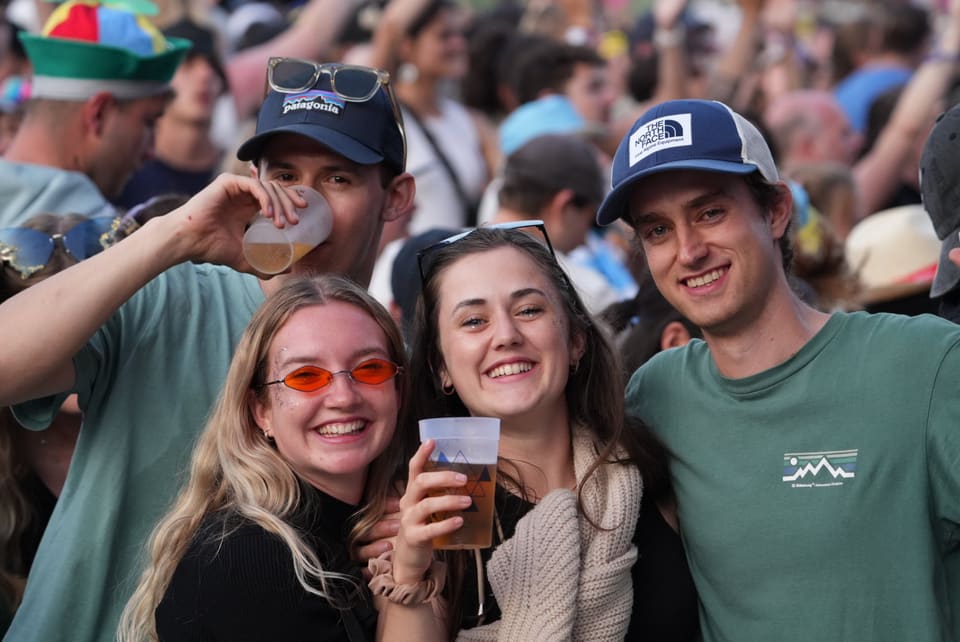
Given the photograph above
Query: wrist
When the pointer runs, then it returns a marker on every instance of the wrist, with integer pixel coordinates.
(426, 588)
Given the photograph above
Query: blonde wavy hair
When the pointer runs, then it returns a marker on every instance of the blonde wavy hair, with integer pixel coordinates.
(235, 468)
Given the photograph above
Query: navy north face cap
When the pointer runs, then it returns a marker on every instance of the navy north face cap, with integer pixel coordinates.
(685, 134)
(364, 132)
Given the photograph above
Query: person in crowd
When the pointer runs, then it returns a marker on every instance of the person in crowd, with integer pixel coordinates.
(185, 157)
(645, 325)
(501, 332)
(788, 419)
(577, 73)
(405, 278)
(558, 179)
(810, 126)
(451, 148)
(130, 327)
(33, 466)
(101, 81)
(939, 175)
(893, 255)
(293, 466)
(896, 41)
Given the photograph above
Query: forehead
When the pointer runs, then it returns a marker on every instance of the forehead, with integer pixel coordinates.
(492, 274)
(682, 186)
(290, 149)
(333, 330)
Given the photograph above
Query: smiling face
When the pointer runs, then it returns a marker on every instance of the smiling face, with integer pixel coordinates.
(504, 336)
(711, 251)
(329, 436)
(359, 202)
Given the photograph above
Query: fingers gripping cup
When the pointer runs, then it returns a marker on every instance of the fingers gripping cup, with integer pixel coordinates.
(466, 445)
(271, 250)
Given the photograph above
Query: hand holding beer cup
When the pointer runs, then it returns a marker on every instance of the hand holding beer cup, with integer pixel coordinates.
(448, 502)
(271, 249)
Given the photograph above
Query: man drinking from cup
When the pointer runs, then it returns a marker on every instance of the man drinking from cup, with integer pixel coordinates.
(145, 330)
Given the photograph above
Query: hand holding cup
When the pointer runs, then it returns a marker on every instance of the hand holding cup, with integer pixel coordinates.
(270, 249)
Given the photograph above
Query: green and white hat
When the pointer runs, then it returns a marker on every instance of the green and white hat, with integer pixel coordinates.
(88, 47)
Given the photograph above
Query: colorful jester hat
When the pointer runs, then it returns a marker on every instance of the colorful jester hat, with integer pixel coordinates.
(88, 47)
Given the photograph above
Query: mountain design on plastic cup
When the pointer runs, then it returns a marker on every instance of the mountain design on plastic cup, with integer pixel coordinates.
(473, 488)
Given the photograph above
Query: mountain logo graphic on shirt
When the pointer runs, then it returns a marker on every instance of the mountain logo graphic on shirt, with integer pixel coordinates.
(819, 469)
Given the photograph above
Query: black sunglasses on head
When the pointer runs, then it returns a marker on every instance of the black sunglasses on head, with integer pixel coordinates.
(535, 224)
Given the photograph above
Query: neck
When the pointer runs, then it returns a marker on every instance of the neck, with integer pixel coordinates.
(507, 215)
(420, 95)
(348, 488)
(39, 143)
(185, 144)
(542, 450)
(778, 333)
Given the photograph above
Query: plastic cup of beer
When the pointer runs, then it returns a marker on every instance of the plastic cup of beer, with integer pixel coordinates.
(271, 249)
(466, 445)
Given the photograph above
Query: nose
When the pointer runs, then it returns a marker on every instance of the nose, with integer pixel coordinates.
(505, 332)
(693, 249)
(342, 391)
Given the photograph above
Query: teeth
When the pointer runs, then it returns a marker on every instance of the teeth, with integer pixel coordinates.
(333, 430)
(706, 279)
(510, 369)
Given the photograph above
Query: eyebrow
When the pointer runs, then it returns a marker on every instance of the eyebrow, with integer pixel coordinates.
(516, 294)
(283, 362)
(327, 168)
(693, 203)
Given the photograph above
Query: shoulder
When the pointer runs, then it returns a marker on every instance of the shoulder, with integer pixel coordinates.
(241, 554)
(899, 334)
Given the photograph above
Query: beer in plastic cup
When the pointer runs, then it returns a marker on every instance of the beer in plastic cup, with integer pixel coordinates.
(271, 250)
(467, 445)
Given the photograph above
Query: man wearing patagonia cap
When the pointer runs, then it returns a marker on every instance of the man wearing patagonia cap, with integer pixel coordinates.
(144, 332)
(801, 441)
(101, 80)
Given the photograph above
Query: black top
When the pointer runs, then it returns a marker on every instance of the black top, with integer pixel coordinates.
(157, 178)
(664, 598)
(243, 588)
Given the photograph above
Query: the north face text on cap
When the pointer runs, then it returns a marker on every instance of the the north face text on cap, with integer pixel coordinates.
(663, 133)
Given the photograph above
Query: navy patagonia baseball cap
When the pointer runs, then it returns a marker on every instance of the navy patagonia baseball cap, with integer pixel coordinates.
(365, 132)
(685, 134)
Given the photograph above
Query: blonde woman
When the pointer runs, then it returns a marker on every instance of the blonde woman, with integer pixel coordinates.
(256, 546)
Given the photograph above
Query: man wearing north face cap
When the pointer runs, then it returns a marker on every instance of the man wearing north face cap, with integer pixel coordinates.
(144, 333)
(101, 80)
(940, 189)
(814, 455)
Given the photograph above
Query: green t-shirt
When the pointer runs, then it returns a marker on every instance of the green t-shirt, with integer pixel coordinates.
(819, 500)
(27, 190)
(146, 382)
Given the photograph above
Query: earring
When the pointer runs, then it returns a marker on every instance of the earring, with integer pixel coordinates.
(574, 366)
(407, 73)
(268, 435)
(447, 390)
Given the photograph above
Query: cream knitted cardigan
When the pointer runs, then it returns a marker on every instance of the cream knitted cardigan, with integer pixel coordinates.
(559, 577)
